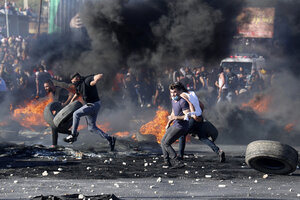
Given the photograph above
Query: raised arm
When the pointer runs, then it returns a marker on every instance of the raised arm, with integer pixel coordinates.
(97, 77)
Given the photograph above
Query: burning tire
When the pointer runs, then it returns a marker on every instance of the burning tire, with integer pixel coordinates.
(271, 157)
(66, 113)
(50, 111)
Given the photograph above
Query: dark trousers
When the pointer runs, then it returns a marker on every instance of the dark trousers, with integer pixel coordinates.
(196, 128)
(171, 135)
(55, 132)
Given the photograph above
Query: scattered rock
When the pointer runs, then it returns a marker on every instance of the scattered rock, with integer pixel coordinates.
(158, 180)
(265, 176)
(221, 186)
(55, 173)
(116, 185)
(16, 181)
(207, 176)
(45, 173)
(171, 181)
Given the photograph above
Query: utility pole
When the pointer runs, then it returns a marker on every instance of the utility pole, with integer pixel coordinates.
(6, 16)
(40, 13)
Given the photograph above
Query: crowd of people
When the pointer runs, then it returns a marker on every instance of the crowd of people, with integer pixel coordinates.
(13, 9)
(144, 87)
(20, 76)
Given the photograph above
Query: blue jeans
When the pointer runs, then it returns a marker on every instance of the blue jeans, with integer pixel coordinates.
(90, 111)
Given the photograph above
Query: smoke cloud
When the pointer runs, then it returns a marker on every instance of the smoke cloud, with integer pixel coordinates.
(163, 33)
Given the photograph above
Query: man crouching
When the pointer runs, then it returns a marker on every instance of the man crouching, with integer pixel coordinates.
(180, 107)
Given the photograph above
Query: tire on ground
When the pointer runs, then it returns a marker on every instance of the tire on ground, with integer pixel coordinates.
(271, 157)
(50, 111)
(65, 114)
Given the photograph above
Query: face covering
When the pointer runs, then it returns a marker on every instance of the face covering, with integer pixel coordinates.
(176, 98)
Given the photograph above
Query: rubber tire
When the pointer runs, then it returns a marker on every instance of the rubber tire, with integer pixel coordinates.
(66, 113)
(48, 113)
(271, 157)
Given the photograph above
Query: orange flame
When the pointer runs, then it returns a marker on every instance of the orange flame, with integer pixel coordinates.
(289, 127)
(260, 103)
(122, 134)
(32, 114)
(157, 125)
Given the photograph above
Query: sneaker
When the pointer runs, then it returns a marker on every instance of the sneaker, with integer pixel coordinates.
(177, 164)
(166, 165)
(222, 156)
(71, 138)
(112, 143)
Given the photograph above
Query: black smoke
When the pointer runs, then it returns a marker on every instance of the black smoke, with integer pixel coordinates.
(145, 33)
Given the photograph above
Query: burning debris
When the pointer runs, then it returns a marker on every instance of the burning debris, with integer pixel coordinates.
(157, 125)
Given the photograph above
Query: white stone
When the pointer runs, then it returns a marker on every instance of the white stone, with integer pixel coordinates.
(207, 176)
(55, 173)
(155, 192)
(159, 180)
(171, 181)
(124, 163)
(269, 188)
(80, 196)
(92, 186)
(60, 169)
(45, 173)
(221, 186)
(291, 190)
(186, 172)
(88, 168)
(16, 181)
(265, 176)
(197, 179)
(145, 164)
(116, 185)
(255, 181)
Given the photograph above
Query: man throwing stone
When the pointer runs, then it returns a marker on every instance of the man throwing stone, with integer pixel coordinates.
(86, 88)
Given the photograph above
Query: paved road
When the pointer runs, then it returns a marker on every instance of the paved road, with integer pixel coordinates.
(249, 184)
